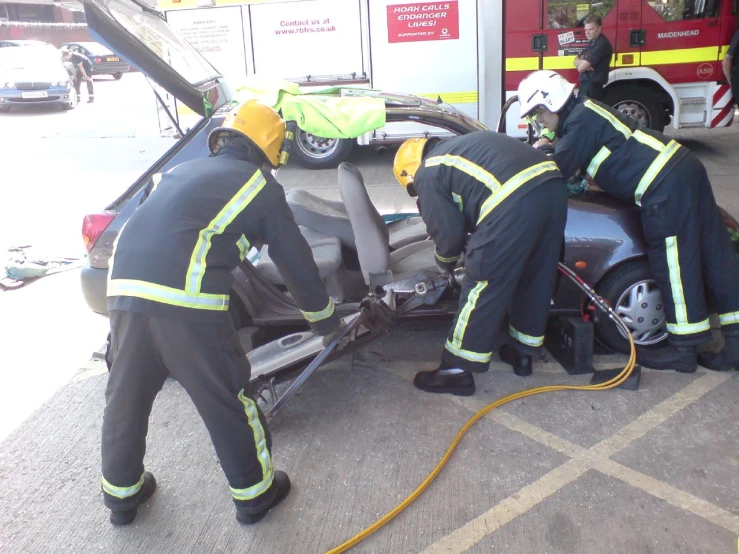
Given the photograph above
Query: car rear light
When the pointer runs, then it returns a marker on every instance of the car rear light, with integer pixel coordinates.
(93, 227)
(98, 60)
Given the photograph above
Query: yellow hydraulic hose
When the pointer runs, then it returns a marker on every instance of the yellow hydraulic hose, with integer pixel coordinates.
(616, 381)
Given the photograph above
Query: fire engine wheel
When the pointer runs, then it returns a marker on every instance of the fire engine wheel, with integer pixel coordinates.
(634, 295)
(638, 103)
(314, 152)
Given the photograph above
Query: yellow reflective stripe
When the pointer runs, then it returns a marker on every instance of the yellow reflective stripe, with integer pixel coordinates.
(680, 55)
(260, 440)
(620, 127)
(522, 64)
(468, 354)
(676, 283)
(558, 62)
(465, 166)
(651, 173)
(452, 97)
(649, 141)
(444, 259)
(167, 295)
(513, 184)
(458, 201)
(723, 51)
(729, 319)
(464, 315)
(244, 245)
(122, 492)
(325, 313)
(230, 211)
(689, 328)
(599, 158)
(525, 339)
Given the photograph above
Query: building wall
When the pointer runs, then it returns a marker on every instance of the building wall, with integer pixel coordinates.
(54, 34)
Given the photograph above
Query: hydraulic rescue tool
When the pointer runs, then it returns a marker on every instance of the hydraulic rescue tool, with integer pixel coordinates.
(375, 315)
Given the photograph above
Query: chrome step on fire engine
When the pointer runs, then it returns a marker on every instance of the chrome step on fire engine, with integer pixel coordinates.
(693, 100)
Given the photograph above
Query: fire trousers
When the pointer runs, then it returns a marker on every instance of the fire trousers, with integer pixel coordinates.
(208, 361)
(692, 256)
(514, 271)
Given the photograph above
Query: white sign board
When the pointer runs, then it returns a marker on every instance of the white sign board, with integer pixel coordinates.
(426, 65)
(315, 37)
(216, 33)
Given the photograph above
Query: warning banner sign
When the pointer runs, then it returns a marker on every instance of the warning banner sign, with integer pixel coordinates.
(423, 21)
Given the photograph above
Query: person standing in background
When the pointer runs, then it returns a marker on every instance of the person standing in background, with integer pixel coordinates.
(593, 63)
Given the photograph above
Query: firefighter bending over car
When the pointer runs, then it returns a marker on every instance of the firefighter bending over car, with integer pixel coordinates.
(168, 297)
(513, 201)
(688, 246)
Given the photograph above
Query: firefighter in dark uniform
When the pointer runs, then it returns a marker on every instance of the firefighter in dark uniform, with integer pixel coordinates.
(82, 72)
(513, 201)
(593, 63)
(688, 246)
(168, 295)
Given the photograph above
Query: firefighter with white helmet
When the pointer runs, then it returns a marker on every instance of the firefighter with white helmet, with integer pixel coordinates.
(512, 202)
(688, 246)
(168, 298)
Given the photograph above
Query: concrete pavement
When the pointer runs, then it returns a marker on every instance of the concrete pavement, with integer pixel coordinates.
(653, 471)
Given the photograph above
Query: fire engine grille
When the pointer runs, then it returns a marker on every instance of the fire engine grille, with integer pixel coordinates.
(33, 86)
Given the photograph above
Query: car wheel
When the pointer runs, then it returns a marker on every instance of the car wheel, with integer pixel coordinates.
(633, 293)
(314, 152)
(117, 76)
(73, 100)
(639, 103)
(4, 109)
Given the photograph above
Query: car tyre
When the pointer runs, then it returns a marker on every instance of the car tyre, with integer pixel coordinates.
(313, 152)
(117, 76)
(4, 109)
(633, 293)
(637, 102)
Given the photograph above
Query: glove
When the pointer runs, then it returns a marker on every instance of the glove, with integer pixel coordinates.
(380, 314)
(445, 267)
(326, 339)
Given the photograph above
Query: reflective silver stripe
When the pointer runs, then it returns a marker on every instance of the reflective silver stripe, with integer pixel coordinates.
(651, 173)
(676, 283)
(729, 319)
(230, 211)
(458, 201)
(599, 158)
(689, 328)
(513, 184)
(325, 313)
(265, 460)
(122, 492)
(243, 245)
(620, 127)
(464, 315)
(468, 354)
(167, 295)
(466, 166)
(525, 339)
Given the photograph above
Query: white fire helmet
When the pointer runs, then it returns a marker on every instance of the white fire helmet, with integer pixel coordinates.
(544, 88)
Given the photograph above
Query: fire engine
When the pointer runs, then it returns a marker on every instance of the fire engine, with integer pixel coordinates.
(471, 54)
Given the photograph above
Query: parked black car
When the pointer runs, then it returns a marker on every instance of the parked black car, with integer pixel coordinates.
(104, 62)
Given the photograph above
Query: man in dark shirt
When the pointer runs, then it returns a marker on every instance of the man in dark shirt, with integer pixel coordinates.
(593, 63)
(730, 66)
(82, 70)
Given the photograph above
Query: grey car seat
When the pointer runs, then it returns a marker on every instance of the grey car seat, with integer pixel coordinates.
(378, 264)
(331, 218)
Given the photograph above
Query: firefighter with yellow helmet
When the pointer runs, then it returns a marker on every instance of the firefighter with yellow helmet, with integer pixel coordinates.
(504, 206)
(168, 297)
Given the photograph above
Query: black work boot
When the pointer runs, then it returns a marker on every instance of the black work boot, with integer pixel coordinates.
(455, 381)
(127, 515)
(723, 360)
(680, 358)
(521, 363)
(282, 483)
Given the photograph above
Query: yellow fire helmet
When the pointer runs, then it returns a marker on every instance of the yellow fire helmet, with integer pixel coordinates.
(259, 123)
(408, 159)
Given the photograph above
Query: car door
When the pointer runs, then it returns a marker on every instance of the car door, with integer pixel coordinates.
(141, 35)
